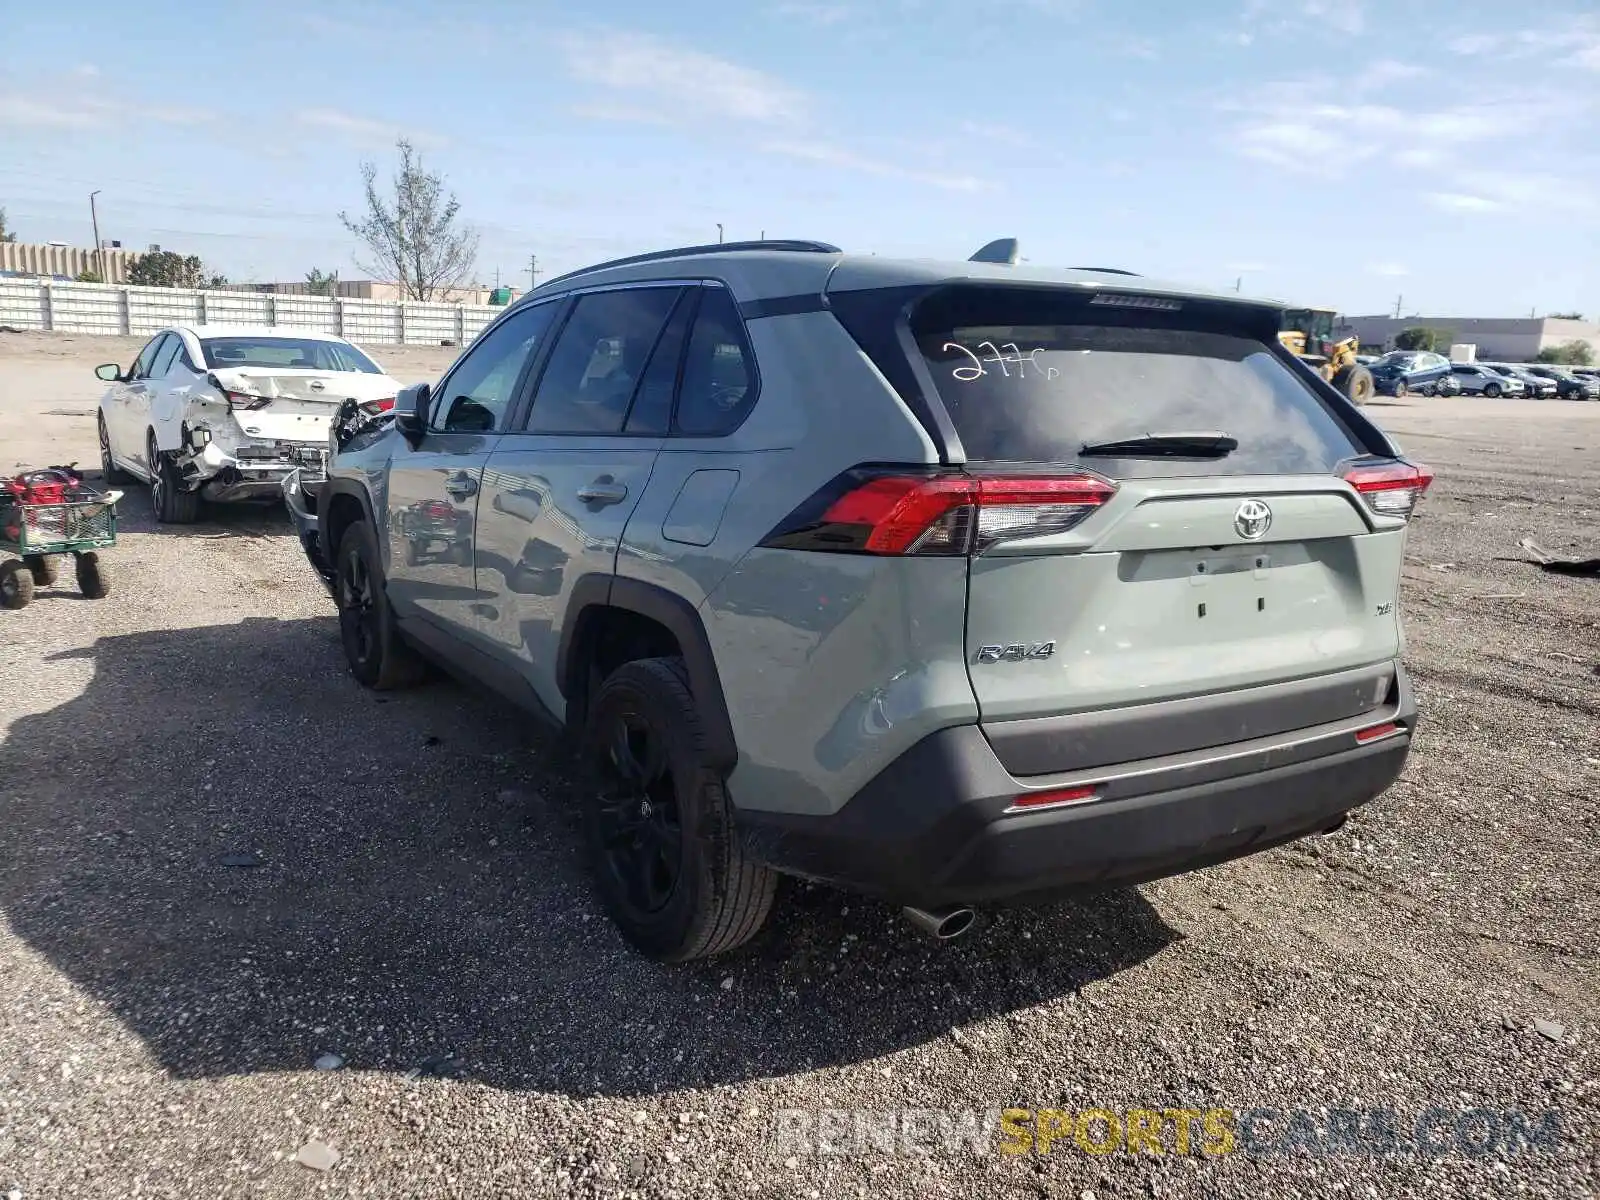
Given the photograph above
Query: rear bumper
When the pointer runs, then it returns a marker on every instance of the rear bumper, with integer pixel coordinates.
(934, 827)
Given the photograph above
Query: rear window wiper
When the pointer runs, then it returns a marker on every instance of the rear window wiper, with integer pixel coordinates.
(1176, 445)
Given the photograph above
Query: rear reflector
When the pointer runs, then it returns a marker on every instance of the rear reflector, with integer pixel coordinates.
(1374, 732)
(863, 512)
(1390, 489)
(1048, 799)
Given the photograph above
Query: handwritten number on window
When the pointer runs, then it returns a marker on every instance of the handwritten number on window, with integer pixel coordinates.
(974, 367)
(972, 370)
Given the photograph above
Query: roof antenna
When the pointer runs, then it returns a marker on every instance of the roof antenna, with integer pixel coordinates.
(1001, 250)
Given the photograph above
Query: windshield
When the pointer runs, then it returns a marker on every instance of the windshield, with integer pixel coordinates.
(1316, 324)
(1040, 390)
(305, 354)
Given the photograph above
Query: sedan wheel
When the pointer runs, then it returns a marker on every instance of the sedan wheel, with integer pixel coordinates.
(1492, 390)
(109, 471)
(1399, 389)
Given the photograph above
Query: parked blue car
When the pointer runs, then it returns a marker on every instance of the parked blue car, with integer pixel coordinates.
(1403, 371)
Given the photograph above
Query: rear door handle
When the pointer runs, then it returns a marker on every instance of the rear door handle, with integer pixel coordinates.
(461, 486)
(603, 491)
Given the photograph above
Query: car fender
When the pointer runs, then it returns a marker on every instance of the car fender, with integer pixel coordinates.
(342, 502)
(678, 616)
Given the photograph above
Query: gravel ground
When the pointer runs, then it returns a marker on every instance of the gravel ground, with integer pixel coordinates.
(418, 909)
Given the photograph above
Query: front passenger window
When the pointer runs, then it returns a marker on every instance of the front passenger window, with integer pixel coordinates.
(476, 394)
(147, 356)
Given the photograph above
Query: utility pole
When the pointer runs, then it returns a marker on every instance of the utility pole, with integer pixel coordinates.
(1238, 284)
(99, 255)
(1397, 300)
(719, 233)
(533, 271)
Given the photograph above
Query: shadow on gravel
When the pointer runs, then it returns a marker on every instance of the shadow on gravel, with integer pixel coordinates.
(253, 520)
(417, 900)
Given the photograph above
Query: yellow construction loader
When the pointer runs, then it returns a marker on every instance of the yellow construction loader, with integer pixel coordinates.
(1307, 333)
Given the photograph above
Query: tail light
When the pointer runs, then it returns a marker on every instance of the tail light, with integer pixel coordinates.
(867, 512)
(1390, 489)
(244, 400)
(373, 407)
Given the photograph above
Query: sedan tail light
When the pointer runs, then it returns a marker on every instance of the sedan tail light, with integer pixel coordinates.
(374, 407)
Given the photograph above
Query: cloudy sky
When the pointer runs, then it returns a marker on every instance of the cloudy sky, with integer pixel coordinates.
(1341, 152)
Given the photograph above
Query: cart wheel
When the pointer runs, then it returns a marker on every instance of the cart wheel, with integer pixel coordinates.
(43, 567)
(93, 579)
(16, 584)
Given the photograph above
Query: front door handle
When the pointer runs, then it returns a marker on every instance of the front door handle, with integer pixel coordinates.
(604, 490)
(461, 486)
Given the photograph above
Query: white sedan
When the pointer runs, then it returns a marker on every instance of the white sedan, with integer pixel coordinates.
(224, 412)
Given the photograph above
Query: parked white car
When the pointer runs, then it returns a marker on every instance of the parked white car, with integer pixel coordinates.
(224, 412)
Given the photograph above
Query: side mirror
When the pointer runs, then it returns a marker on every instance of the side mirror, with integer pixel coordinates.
(411, 411)
(110, 372)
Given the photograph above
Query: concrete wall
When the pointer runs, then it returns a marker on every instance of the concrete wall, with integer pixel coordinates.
(107, 309)
(1511, 339)
(369, 289)
(71, 261)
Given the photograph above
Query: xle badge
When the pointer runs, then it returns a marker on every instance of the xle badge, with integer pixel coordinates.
(1016, 652)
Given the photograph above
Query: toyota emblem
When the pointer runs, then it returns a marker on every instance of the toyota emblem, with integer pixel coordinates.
(1252, 520)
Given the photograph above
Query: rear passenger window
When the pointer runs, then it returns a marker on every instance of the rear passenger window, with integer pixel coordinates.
(1034, 379)
(652, 403)
(599, 360)
(718, 374)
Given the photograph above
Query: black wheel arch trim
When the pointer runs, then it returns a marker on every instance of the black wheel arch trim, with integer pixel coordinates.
(339, 486)
(682, 620)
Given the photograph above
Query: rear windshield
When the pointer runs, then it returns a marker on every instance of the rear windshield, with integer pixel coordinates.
(299, 353)
(1038, 393)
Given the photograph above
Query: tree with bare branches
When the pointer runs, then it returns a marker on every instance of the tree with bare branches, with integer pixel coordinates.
(413, 237)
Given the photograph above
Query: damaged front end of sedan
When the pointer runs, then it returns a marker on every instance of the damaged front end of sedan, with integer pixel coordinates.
(302, 487)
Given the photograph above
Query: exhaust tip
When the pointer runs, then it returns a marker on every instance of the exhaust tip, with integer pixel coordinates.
(945, 924)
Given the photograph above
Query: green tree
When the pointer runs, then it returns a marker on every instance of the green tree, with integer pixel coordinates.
(1418, 337)
(412, 236)
(1568, 316)
(319, 283)
(168, 268)
(1569, 354)
(5, 235)
(87, 277)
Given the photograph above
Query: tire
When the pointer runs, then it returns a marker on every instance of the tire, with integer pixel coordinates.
(109, 471)
(93, 580)
(16, 584)
(1355, 383)
(43, 568)
(1400, 389)
(1491, 391)
(171, 506)
(667, 863)
(377, 655)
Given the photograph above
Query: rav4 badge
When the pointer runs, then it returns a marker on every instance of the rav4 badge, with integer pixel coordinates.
(1016, 652)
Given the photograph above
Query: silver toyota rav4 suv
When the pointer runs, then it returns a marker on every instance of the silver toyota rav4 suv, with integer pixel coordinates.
(952, 583)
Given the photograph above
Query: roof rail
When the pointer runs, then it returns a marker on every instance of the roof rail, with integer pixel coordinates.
(1109, 271)
(793, 245)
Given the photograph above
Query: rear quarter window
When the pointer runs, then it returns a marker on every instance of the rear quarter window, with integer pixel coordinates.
(1038, 393)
